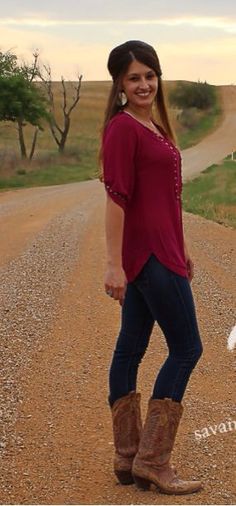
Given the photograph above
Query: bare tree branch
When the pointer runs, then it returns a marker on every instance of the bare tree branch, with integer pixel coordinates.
(64, 95)
(35, 65)
(47, 81)
(77, 96)
(59, 133)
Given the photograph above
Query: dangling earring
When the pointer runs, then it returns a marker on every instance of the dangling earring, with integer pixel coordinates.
(122, 99)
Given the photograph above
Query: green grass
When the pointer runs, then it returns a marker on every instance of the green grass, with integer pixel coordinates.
(51, 175)
(213, 194)
(206, 124)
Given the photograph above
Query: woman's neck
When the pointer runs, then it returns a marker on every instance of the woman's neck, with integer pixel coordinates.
(141, 113)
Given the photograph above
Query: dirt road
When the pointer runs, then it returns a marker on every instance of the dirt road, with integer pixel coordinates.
(217, 145)
(57, 334)
(58, 330)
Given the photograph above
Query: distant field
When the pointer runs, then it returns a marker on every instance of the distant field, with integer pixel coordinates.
(80, 160)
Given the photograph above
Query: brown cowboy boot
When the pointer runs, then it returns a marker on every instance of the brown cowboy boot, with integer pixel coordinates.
(152, 462)
(127, 426)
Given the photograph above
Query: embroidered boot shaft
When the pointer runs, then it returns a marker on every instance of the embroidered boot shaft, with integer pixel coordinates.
(127, 426)
(152, 462)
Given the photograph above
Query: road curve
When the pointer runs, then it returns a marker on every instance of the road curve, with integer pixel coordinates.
(217, 145)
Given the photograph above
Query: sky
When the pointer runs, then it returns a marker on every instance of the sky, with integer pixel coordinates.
(194, 39)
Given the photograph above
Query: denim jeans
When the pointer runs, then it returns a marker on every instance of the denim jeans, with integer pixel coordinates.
(156, 294)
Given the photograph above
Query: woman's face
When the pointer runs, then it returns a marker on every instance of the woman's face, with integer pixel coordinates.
(140, 85)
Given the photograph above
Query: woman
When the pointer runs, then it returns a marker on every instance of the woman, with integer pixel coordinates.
(149, 269)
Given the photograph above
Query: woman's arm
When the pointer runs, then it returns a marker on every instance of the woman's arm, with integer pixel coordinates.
(115, 279)
(114, 224)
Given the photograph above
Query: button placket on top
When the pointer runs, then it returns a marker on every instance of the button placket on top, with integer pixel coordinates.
(175, 152)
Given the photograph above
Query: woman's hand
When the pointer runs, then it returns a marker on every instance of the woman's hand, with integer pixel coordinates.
(115, 282)
(189, 263)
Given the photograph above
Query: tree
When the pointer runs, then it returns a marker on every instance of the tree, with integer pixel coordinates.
(60, 131)
(21, 100)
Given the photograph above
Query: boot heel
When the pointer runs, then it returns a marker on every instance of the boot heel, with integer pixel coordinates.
(124, 477)
(141, 483)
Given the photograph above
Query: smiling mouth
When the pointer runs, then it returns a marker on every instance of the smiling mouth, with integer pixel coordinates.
(144, 94)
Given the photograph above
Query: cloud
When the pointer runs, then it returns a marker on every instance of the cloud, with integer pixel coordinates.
(189, 47)
(179, 61)
(221, 48)
(222, 23)
(73, 57)
(225, 24)
(197, 60)
(115, 10)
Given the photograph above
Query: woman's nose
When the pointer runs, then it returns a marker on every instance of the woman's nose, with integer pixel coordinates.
(144, 83)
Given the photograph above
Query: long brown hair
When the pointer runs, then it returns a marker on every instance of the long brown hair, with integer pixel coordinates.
(118, 62)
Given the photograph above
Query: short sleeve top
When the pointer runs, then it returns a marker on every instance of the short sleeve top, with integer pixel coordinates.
(142, 174)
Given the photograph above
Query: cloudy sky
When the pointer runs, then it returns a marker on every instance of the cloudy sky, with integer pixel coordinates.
(195, 39)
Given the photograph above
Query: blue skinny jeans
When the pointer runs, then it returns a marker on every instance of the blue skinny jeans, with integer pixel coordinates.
(156, 294)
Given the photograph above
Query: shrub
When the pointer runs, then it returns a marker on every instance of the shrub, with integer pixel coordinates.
(199, 95)
(189, 118)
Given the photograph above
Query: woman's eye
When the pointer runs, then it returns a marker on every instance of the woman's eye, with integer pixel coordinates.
(136, 78)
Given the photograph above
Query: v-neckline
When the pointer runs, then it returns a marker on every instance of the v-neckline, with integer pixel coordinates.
(150, 130)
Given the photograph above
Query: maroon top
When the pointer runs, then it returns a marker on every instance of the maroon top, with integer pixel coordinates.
(142, 173)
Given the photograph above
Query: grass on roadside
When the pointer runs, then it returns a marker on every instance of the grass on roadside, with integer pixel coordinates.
(50, 175)
(208, 122)
(213, 193)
